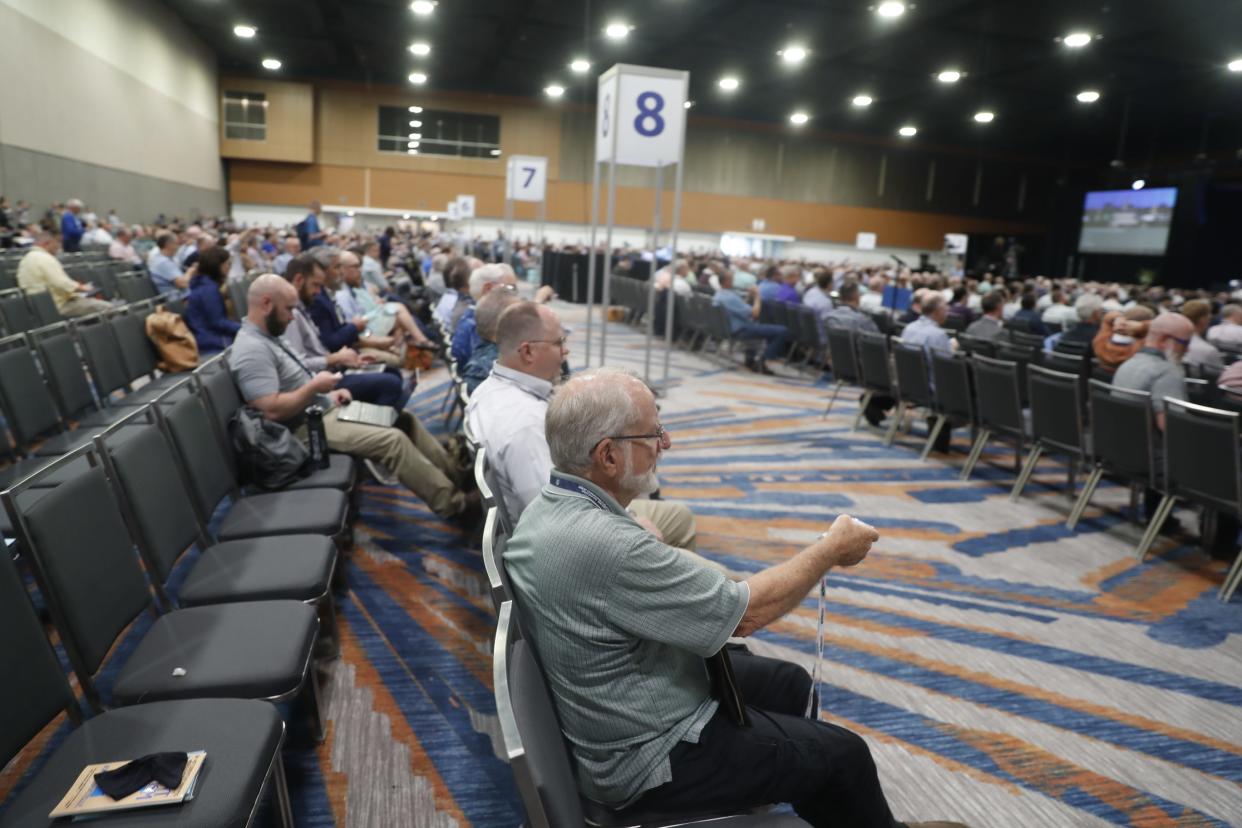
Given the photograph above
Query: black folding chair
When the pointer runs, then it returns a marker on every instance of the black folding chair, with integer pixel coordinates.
(844, 361)
(1056, 422)
(242, 738)
(913, 387)
(953, 399)
(1122, 441)
(138, 356)
(43, 308)
(67, 377)
(15, 313)
(873, 369)
(999, 404)
(976, 345)
(103, 355)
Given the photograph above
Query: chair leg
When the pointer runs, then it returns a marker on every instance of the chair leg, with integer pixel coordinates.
(319, 727)
(932, 437)
(283, 804)
(1231, 580)
(330, 625)
(832, 400)
(862, 407)
(1028, 469)
(975, 451)
(898, 416)
(1084, 499)
(1153, 526)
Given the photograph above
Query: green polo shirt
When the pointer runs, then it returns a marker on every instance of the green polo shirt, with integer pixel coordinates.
(621, 623)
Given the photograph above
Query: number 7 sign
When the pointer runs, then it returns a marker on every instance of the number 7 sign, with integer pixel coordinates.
(526, 178)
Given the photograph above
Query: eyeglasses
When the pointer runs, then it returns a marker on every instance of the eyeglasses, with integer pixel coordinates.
(560, 343)
(660, 435)
(1185, 343)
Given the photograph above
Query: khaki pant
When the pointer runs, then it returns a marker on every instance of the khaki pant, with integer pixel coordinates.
(83, 306)
(385, 358)
(408, 450)
(674, 520)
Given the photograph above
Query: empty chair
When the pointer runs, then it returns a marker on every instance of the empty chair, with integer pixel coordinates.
(28, 404)
(873, 369)
(43, 308)
(844, 361)
(103, 355)
(87, 572)
(953, 400)
(15, 313)
(243, 738)
(139, 357)
(1122, 441)
(536, 752)
(135, 287)
(1056, 421)
(67, 378)
(913, 387)
(999, 406)
(976, 345)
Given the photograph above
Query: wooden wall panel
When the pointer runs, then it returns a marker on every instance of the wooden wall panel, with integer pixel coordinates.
(266, 182)
(290, 121)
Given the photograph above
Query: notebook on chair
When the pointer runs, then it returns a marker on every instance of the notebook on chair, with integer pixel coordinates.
(366, 413)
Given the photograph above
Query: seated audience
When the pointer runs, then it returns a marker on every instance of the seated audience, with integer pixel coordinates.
(373, 269)
(769, 287)
(487, 322)
(281, 386)
(292, 248)
(846, 314)
(1157, 366)
(959, 307)
(39, 271)
(1088, 309)
(456, 278)
(817, 299)
(205, 314)
(336, 330)
(1059, 311)
(788, 290)
(926, 331)
(1201, 352)
(1028, 314)
(991, 324)
(167, 275)
(482, 281)
(623, 622)
(121, 249)
(1228, 334)
(743, 322)
(1121, 335)
(355, 299)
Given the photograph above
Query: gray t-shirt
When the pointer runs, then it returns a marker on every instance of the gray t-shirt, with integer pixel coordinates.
(1150, 371)
(261, 367)
(622, 624)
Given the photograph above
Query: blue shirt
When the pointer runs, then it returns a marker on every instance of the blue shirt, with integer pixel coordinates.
(769, 290)
(466, 338)
(335, 331)
(479, 367)
(788, 293)
(818, 301)
(1036, 322)
(312, 227)
(70, 232)
(163, 271)
(206, 316)
(928, 334)
(740, 313)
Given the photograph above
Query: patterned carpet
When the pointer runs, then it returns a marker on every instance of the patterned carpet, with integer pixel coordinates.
(1005, 671)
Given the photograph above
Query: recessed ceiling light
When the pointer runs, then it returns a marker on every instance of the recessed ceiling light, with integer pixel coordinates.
(793, 54)
(688, 104)
(271, 63)
(908, 131)
(1138, 184)
(617, 30)
(949, 76)
(416, 124)
(554, 90)
(405, 216)
(580, 65)
(421, 49)
(799, 118)
(985, 117)
(423, 7)
(412, 144)
(1076, 40)
(1235, 65)
(1088, 96)
(418, 78)
(411, 152)
(862, 100)
(349, 212)
(415, 136)
(728, 83)
(891, 8)
(416, 109)
(245, 31)
(495, 152)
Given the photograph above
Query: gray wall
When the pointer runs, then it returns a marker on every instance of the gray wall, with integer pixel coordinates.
(812, 169)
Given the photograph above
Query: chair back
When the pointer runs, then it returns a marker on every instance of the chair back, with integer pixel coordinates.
(997, 385)
(530, 731)
(186, 422)
(63, 369)
(1073, 347)
(215, 382)
(1029, 341)
(910, 362)
(138, 355)
(504, 521)
(15, 313)
(84, 561)
(976, 345)
(103, 354)
(1056, 409)
(43, 308)
(1202, 455)
(1122, 430)
(953, 397)
(25, 399)
(34, 690)
(841, 352)
(873, 362)
(486, 493)
(494, 541)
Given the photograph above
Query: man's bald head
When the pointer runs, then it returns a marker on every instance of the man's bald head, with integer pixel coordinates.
(266, 287)
(1169, 326)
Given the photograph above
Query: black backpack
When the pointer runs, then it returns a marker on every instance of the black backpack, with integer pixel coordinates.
(268, 455)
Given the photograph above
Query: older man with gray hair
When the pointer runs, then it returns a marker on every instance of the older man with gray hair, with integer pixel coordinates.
(623, 624)
(482, 282)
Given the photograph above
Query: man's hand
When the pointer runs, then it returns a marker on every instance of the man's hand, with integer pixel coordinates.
(341, 396)
(324, 381)
(345, 357)
(650, 527)
(359, 322)
(849, 540)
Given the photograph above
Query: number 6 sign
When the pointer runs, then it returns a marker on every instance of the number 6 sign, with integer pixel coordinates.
(642, 117)
(526, 178)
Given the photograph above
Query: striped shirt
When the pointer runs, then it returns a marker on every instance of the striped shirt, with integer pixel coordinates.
(622, 623)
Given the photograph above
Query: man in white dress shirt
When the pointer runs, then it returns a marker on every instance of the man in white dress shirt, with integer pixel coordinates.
(1228, 333)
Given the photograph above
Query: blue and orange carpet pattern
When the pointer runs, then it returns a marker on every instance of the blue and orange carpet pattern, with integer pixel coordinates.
(1005, 670)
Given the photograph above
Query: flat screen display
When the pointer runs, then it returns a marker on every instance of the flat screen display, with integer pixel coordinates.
(1134, 222)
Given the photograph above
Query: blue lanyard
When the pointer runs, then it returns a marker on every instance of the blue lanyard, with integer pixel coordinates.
(578, 489)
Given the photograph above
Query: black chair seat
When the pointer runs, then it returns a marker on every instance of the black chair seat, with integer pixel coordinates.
(251, 650)
(338, 475)
(148, 392)
(597, 814)
(285, 567)
(312, 511)
(241, 739)
(24, 500)
(68, 441)
(104, 417)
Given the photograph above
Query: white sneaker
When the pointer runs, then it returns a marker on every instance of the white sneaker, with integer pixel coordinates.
(381, 473)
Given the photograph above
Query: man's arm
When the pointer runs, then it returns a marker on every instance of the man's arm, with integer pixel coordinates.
(332, 336)
(286, 405)
(778, 589)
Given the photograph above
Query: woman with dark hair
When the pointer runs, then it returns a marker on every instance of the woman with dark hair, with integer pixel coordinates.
(205, 313)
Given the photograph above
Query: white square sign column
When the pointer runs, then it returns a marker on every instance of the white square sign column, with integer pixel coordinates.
(641, 120)
(465, 206)
(526, 178)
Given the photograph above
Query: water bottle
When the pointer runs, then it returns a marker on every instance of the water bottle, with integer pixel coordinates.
(317, 437)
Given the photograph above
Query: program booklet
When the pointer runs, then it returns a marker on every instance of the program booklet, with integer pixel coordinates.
(85, 797)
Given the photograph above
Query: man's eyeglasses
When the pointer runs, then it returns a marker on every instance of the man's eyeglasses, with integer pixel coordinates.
(1185, 343)
(660, 436)
(558, 342)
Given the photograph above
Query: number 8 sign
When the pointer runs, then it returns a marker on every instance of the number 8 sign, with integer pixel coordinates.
(644, 108)
(526, 178)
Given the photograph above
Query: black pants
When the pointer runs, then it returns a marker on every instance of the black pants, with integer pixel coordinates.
(824, 771)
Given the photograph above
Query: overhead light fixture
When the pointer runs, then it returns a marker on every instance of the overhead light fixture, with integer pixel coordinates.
(617, 30)
(405, 216)
(793, 54)
(688, 104)
(416, 124)
(1138, 184)
(495, 152)
(1076, 40)
(1235, 65)
(245, 31)
(890, 9)
(411, 152)
(1088, 96)
(949, 76)
(423, 7)
(580, 65)
(415, 136)
(420, 49)
(349, 212)
(799, 118)
(862, 100)
(418, 78)
(271, 63)
(554, 90)
(908, 131)
(985, 117)
(412, 144)
(415, 110)
(729, 83)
